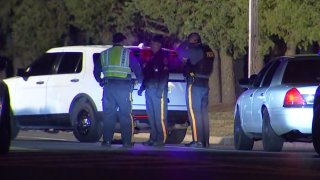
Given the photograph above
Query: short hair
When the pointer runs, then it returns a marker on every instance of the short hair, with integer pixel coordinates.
(195, 34)
(158, 38)
(118, 37)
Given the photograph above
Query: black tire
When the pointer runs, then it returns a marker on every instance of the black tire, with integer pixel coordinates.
(86, 126)
(176, 136)
(241, 140)
(316, 130)
(270, 140)
(5, 125)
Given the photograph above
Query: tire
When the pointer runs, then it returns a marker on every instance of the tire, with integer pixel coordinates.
(241, 140)
(176, 136)
(270, 140)
(5, 125)
(316, 130)
(86, 126)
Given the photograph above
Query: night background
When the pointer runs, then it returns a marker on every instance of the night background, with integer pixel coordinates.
(30, 27)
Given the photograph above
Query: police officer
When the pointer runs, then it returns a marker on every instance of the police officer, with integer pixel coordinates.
(198, 60)
(116, 65)
(156, 75)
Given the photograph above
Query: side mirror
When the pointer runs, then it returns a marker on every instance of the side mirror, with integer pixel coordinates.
(252, 78)
(247, 82)
(244, 82)
(22, 73)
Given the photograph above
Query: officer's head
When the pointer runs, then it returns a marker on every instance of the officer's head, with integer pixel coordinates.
(194, 39)
(156, 43)
(118, 38)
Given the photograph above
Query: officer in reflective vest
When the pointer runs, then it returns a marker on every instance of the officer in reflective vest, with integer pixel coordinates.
(198, 60)
(156, 75)
(116, 65)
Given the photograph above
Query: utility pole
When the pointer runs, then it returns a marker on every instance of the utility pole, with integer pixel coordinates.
(253, 35)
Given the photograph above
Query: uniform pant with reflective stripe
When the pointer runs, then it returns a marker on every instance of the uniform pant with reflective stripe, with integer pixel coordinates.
(117, 95)
(197, 105)
(157, 107)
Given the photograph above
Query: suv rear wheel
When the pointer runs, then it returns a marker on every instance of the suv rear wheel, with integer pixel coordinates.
(86, 126)
(5, 131)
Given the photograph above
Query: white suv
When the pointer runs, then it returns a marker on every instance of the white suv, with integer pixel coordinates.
(58, 92)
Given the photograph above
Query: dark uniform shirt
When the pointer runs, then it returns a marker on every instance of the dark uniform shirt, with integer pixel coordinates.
(155, 71)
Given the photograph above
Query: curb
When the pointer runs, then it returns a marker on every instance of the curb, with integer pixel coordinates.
(227, 140)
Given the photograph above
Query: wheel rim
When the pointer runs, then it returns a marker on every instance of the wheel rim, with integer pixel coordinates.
(83, 122)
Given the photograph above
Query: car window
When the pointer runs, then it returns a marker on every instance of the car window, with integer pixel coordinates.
(71, 62)
(302, 72)
(44, 65)
(268, 78)
(174, 64)
(261, 74)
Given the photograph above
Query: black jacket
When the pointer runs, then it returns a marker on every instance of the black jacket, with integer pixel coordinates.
(155, 71)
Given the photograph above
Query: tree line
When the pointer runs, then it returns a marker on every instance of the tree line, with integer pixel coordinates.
(30, 27)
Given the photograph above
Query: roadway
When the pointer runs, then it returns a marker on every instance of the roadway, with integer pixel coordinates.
(38, 155)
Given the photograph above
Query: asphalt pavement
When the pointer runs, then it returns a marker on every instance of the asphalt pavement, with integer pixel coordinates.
(38, 155)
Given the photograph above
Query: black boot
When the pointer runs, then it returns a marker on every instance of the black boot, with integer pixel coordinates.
(190, 143)
(148, 143)
(196, 144)
(106, 144)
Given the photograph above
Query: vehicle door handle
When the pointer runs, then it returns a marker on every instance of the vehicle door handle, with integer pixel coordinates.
(40, 82)
(74, 80)
(251, 95)
(261, 94)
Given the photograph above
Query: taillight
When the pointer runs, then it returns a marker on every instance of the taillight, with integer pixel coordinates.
(293, 98)
(140, 117)
(145, 54)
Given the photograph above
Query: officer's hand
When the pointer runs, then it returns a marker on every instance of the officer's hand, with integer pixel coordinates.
(140, 92)
(101, 83)
(184, 60)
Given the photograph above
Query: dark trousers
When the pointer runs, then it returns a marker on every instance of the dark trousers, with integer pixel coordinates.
(117, 96)
(197, 105)
(157, 107)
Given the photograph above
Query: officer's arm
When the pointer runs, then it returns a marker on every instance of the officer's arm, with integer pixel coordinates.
(97, 70)
(135, 66)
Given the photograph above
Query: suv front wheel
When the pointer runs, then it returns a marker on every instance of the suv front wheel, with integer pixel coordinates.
(86, 126)
(5, 139)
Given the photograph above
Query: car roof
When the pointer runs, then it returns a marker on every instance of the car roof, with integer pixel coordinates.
(94, 48)
(296, 57)
(84, 47)
(300, 56)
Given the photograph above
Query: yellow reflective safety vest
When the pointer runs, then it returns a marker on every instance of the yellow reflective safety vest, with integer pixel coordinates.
(115, 62)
